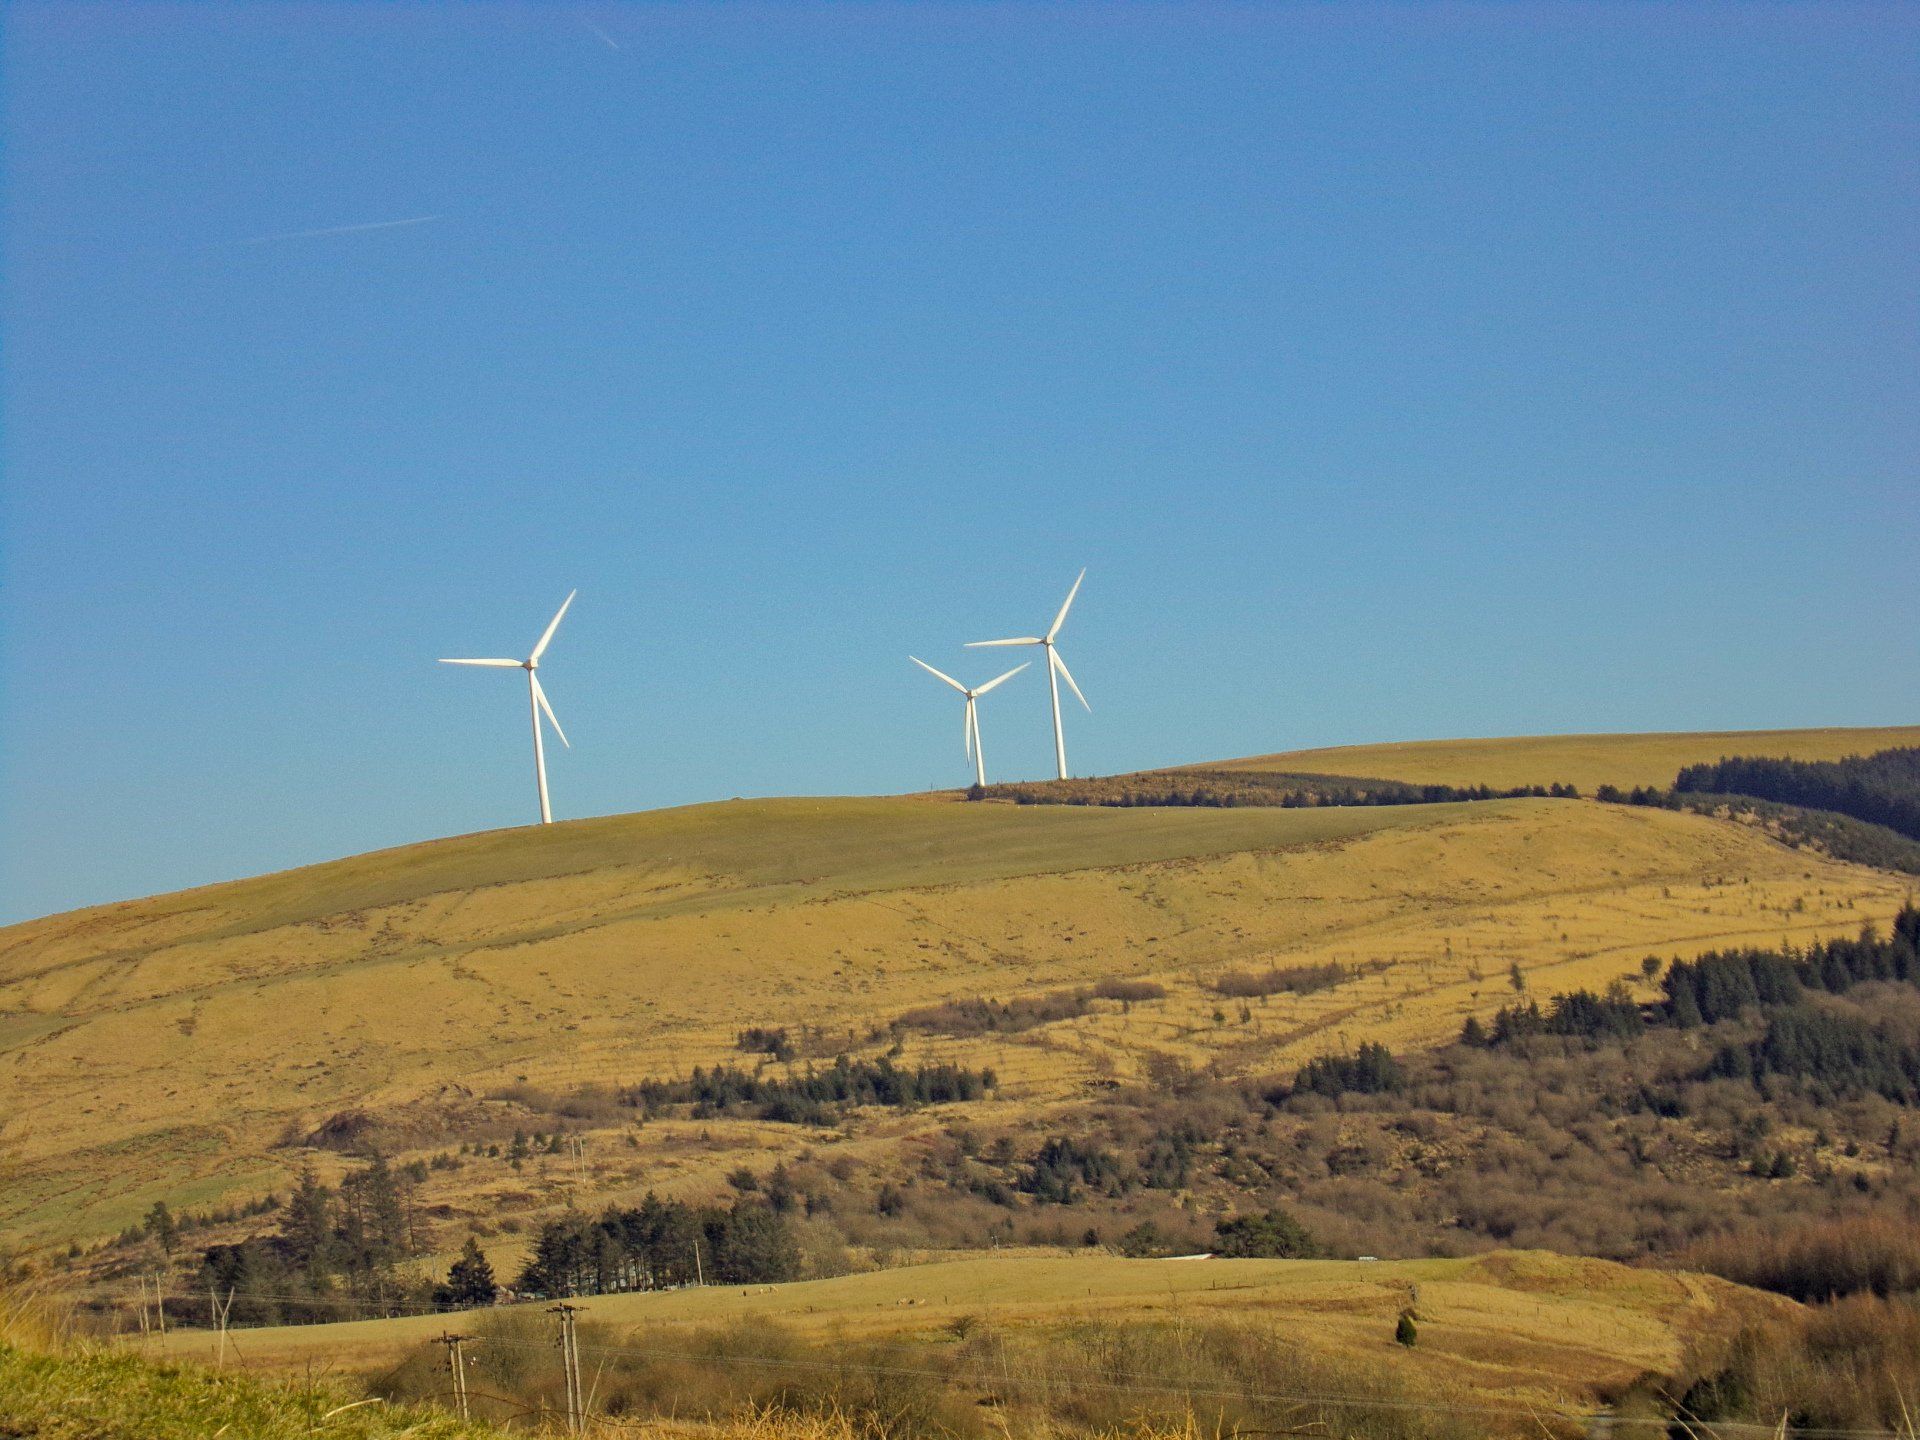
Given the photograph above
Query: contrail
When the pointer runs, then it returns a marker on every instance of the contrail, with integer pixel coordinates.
(340, 230)
(612, 44)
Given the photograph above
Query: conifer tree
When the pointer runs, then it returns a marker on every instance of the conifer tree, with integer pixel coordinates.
(160, 1227)
(306, 1232)
(470, 1281)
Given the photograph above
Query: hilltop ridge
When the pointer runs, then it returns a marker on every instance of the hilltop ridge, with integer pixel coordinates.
(1586, 761)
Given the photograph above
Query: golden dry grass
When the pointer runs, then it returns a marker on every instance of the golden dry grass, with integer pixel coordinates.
(1585, 761)
(159, 1048)
(1522, 1326)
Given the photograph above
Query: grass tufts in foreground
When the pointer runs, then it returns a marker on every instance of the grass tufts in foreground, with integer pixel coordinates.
(55, 1386)
(81, 1396)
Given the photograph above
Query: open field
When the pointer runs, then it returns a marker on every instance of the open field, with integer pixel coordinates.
(1584, 761)
(169, 1048)
(1515, 1326)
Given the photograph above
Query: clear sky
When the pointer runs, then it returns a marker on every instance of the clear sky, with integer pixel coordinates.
(1395, 371)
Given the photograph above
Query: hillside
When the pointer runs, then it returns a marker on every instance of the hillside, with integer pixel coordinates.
(183, 1047)
(1584, 761)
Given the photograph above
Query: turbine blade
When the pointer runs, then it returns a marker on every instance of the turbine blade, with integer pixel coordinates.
(968, 728)
(1067, 675)
(1061, 618)
(506, 664)
(541, 648)
(540, 696)
(1001, 679)
(938, 674)
(1023, 640)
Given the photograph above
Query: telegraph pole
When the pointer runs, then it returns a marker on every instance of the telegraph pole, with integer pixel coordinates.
(570, 1363)
(457, 1363)
(220, 1312)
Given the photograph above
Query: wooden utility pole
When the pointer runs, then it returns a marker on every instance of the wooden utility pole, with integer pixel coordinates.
(220, 1310)
(570, 1363)
(699, 1275)
(457, 1363)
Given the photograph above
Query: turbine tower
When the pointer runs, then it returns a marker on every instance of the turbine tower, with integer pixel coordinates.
(537, 702)
(1055, 666)
(973, 715)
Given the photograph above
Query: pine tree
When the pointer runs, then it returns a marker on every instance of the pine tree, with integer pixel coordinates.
(751, 1245)
(306, 1232)
(470, 1281)
(160, 1227)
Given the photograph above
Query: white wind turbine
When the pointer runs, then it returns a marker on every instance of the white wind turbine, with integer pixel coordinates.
(973, 715)
(1055, 666)
(537, 700)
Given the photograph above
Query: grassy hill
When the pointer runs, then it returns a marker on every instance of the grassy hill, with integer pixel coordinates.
(1510, 1344)
(1518, 1328)
(183, 1047)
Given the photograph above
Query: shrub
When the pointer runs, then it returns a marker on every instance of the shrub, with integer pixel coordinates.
(1064, 1168)
(981, 1016)
(1272, 1236)
(762, 1040)
(1129, 990)
(1295, 979)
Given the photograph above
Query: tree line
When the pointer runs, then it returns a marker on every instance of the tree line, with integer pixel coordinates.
(1370, 1070)
(812, 1097)
(1837, 1054)
(658, 1244)
(336, 1252)
(1882, 788)
(1228, 788)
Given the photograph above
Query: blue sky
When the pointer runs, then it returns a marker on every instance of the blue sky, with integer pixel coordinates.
(1395, 371)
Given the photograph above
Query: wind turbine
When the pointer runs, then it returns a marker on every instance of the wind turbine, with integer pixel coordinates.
(973, 716)
(1055, 666)
(537, 701)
